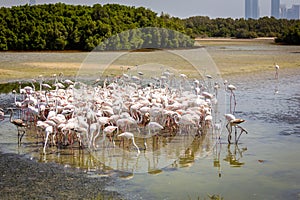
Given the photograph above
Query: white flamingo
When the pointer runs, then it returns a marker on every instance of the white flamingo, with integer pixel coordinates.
(152, 126)
(130, 136)
(231, 88)
(234, 122)
(106, 131)
(276, 71)
(48, 131)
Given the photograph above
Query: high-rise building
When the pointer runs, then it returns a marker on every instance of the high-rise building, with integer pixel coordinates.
(294, 12)
(251, 9)
(283, 11)
(275, 8)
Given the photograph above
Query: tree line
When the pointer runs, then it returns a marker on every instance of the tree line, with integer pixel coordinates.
(77, 27)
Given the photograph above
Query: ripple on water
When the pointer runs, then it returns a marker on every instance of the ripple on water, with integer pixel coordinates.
(291, 131)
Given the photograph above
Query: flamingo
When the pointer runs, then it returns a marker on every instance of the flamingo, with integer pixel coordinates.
(121, 104)
(34, 112)
(234, 122)
(48, 131)
(276, 71)
(106, 131)
(45, 85)
(17, 103)
(21, 90)
(109, 130)
(94, 128)
(20, 124)
(209, 77)
(216, 87)
(129, 136)
(69, 82)
(231, 88)
(124, 123)
(1, 114)
(154, 126)
(41, 126)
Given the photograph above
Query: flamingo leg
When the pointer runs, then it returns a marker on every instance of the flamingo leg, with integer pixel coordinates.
(230, 102)
(23, 133)
(46, 140)
(242, 130)
(235, 132)
(145, 143)
(234, 101)
(138, 150)
(19, 141)
(229, 128)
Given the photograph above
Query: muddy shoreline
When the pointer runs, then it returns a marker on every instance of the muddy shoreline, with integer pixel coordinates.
(26, 178)
(23, 178)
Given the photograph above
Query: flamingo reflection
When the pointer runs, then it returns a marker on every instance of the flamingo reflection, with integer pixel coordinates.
(233, 157)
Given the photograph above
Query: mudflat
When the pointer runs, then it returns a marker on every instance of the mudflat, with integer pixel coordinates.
(231, 56)
(23, 178)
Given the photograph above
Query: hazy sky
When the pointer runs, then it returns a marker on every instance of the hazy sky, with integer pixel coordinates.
(178, 8)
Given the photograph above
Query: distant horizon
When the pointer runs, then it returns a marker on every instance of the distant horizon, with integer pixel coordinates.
(210, 8)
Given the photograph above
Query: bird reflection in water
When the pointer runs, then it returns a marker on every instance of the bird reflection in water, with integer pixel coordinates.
(276, 90)
(234, 154)
(233, 157)
(217, 152)
(198, 148)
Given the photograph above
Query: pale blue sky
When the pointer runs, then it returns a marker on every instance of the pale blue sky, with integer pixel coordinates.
(177, 8)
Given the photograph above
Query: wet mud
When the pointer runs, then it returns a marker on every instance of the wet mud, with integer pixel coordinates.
(23, 178)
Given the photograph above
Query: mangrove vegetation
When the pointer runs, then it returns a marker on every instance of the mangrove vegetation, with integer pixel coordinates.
(77, 27)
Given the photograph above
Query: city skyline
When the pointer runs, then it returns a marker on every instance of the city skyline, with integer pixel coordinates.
(181, 9)
(275, 8)
(252, 9)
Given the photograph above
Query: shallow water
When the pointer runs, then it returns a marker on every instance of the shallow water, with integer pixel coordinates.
(264, 165)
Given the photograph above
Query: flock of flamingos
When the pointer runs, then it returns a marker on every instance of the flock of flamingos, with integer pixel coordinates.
(64, 112)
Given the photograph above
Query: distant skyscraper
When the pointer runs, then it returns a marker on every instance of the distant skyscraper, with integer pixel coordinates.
(251, 9)
(283, 11)
(275, 8)
(294, 12)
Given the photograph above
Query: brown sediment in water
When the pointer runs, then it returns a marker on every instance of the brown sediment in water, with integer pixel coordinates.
(23, 178)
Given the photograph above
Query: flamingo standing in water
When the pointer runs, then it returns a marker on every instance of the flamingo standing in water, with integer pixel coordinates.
(234, 122)
(129, 136)
(95, 109)
(1, 114)
(106, 131)
(231, 88)
(109, 131)
(20, 124)
(154, 126)
(48, 131)
(276, 71)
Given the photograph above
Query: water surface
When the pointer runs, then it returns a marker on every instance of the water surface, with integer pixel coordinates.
(264, 165)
